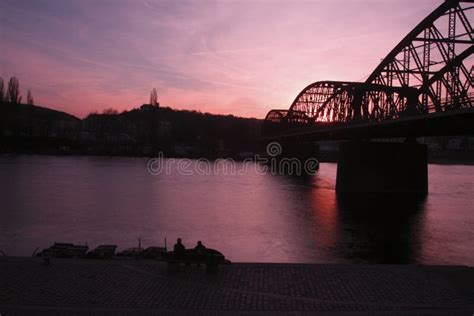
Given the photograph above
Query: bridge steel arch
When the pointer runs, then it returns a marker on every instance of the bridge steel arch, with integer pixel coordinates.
(428, 71)
(428, 51)
(344, 102)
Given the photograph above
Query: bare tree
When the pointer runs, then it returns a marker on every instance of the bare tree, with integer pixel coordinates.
(154, 97)
(110, 111)
(2, 93)
(13, 91)
(29, 98)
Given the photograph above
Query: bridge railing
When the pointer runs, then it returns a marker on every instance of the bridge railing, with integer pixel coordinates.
(449, 105)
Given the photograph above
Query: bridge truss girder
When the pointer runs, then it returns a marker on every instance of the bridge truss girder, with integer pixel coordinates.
(429, 48)
(429, 71)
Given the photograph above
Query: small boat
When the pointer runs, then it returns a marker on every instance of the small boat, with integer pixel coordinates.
(64, 250)
(153, 253)
(102, 252)
(140, 252)
(130, 252)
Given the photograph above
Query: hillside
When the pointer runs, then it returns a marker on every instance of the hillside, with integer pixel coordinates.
(24, 120)
(176, 132)
(141, 131)
(22, 111)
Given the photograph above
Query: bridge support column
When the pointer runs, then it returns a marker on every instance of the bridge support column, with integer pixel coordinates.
(300, 150)
(382, 167)
(293, 158)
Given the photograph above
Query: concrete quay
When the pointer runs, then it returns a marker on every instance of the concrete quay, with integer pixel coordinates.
(87, 286)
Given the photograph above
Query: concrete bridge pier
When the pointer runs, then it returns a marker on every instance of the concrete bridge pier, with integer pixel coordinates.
(365, 166)
(300, 150)
(293, 158)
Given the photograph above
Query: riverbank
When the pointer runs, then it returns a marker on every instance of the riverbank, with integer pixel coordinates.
(466, 159)
(82, 286)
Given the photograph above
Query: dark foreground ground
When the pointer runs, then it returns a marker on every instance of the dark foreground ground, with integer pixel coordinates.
(80, 286)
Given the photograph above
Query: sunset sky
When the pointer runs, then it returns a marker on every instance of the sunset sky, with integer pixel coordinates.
(226, 57)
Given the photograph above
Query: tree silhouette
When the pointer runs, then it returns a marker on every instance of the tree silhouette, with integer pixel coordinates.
(154, 97)
(29, 98)
(110, 111)
(13, 91)
(2, 93)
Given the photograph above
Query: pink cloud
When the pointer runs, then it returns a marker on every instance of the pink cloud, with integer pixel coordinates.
(240, 58)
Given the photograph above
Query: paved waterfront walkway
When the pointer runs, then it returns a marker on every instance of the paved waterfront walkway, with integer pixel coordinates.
(81, 286)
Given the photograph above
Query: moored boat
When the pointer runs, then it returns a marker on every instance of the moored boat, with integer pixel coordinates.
(64, 250)
(102, 252)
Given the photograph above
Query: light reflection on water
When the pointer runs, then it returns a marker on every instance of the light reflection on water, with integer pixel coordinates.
(251, 217)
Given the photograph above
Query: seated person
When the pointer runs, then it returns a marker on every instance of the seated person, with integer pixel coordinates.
(200, 247)
(199, 251)
(179, 249)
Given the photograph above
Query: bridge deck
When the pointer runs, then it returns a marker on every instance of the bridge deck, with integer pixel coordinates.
(459, 122)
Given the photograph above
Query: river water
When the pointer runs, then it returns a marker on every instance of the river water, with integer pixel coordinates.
(250, 216)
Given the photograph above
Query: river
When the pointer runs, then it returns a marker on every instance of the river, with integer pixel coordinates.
(250, 216)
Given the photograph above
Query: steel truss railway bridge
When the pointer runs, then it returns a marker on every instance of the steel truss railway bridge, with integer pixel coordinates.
(423, 87)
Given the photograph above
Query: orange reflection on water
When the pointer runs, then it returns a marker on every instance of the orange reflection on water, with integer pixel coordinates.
(326, 216)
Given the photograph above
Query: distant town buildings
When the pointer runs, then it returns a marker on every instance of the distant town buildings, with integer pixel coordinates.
(150, 129)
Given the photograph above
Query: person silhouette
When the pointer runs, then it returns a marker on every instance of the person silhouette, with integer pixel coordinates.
(199, 247)
(199, 251)
(179, 249)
